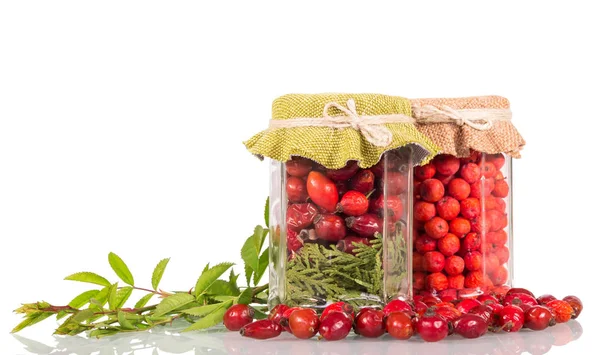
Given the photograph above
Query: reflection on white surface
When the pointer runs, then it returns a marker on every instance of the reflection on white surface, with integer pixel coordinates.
(218, 341)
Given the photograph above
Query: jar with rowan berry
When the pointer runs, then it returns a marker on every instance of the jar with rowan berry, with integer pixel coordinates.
(463, 197)
(341, 197)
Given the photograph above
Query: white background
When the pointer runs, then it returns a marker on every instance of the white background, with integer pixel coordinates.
(121, 126)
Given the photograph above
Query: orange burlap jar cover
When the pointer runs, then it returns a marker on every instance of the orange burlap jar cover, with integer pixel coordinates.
(493, 133)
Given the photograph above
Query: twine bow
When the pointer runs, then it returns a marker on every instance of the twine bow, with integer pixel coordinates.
(370, 127)
(479, 119)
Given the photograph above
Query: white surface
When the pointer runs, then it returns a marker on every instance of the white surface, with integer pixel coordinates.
(121, 126)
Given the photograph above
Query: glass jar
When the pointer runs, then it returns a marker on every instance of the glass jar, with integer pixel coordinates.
(463, 225)
(341, 235)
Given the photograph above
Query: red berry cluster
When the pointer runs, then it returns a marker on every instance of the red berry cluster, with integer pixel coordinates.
(428, 316)
(341, 206)
(460, 221)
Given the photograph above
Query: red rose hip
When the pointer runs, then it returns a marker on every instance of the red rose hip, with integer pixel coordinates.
(446, 164)
(363, 181)
(459, 226)
(470, 326)
(470, 207)
(238, 316)
(330, 227)
(448, 244)
(434, 261)
(296, 189)
(354, 203)
(261, 329)
(459, 189)
(436, 281)
(432, 190)
(322, 191)
(347, 245)
(366, 225)
(538, 318)
(424, 211)
(335, 326)
(576, 304)
(298, 166)
(436, 227)
(424, 172)
(399, 325)
(304, 323)
(369, 323)
(432, 327)
(470, 172)
(344, 173)
(448, 208)
(300, 216)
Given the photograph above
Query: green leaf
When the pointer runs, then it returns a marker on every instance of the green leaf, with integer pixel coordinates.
(144, 300)
(248, 271)
(251, 250)
(202, 310)
(82, 316)
(173, 302)
(83, 298)
(246, 296)
(31, 319)
(101, 297)
(124, 322)
(158, 272)
(122, 296)
(258, 315)
(209, 276)
(233, 281)
(211, 319)
(223, 288)
(267, 212)
(263, 264)
(88, 277)
(112, 296)
(120, 268)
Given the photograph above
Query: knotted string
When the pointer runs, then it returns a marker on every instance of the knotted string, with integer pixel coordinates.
(479, 119)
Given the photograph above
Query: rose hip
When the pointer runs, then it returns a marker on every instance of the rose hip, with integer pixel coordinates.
(500, 188)
(561, 310)
(459, 226)
(538, 318)
(484, 311)
(522, 300)
(425, 243)
(474, 279)
(434, 261)
(238, 316)
(449, 313)
(448, 208)
(488, 170)
(424, 211)
(300, 215)
(436, 281)
(496, 159)
(471, 242)
(449, 244)
(304, 323)
(366, 225)
(470, 326)
(432, 327)
(277, 313)
(446, 164)
(338, 307)
(543, 299)
(576, 304)
(436, 227)
(456, 281)
(397, 306)
(459, 189)
(353, 203)
(335, 326)
(330, 227)
(284, 320)
(454, 265)
(261, 329)
(499, 276)
(482, 189)
(294, 242)
(466, 305)
(470, 172)
(432, 190)
(296, 189)
(473, 260)
(419, 280)
(369, 323)
(424, 172)
(363, 181)
(298, 166)
(470, 207)
(511, 318)
(322, 191)
(395, 207)
(399, 325)
(347, 245)
(344, 173)
(395, 183)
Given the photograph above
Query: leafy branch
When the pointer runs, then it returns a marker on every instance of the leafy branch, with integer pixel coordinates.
(101, 311)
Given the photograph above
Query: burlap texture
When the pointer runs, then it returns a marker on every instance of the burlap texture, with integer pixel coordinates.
(334, 147)
(457, 140)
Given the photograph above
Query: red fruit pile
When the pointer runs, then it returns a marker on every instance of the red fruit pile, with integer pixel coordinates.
(344, 206)
(460, 221)
(428, 316)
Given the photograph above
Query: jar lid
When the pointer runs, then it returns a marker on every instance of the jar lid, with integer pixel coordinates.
(333, 129)
(457, 125)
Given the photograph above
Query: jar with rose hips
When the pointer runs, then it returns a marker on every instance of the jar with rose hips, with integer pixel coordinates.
(463, 203)
(341, 197)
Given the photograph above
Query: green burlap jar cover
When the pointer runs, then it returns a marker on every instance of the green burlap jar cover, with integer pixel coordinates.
(334, 147)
